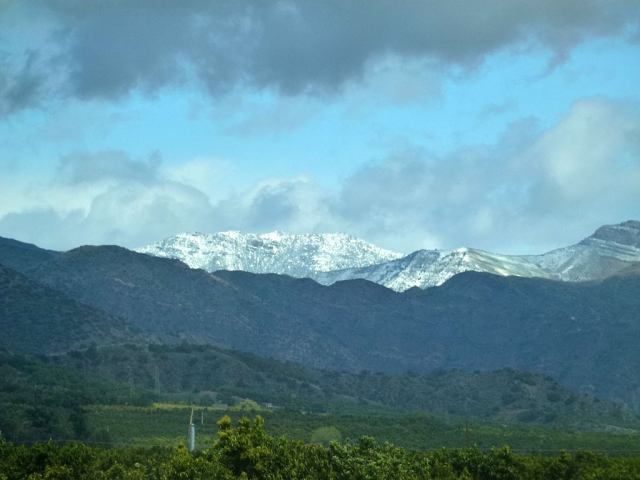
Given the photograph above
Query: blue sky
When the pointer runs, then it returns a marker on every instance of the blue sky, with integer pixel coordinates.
(511, 126)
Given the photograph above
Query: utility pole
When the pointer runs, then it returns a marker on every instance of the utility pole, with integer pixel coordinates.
(192, 433)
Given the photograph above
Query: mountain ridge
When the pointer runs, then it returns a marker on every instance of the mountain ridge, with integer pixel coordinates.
(274, 252)
(610, 249)
(583, 334)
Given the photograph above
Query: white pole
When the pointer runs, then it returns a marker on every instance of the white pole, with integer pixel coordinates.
(192, 437)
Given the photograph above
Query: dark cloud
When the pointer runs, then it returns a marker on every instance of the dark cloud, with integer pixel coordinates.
(20, 86)
(108, 48)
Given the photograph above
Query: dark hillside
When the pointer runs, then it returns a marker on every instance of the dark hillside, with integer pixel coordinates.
(36, 319)
(166, 298)
(21, 256)
(584, 335)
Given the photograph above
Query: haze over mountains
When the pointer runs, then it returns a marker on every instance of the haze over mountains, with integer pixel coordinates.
(328, 258)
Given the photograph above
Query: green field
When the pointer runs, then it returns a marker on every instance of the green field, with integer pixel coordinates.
(167, 425)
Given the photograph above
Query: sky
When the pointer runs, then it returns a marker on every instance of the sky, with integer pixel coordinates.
(511, 126)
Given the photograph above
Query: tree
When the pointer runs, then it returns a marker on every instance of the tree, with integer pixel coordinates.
(325, 435)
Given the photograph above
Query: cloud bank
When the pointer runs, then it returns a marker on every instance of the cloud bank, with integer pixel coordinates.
(107, 49)
(510, 197)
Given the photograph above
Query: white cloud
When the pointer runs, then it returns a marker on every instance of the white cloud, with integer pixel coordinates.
(214, 177)
(296, 205)
(581, 155)
(527, 193)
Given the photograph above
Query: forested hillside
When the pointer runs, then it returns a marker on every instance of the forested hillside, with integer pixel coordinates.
(211, 376)
(37, 319)
(21, 256)
(41, 401)
(583, 335)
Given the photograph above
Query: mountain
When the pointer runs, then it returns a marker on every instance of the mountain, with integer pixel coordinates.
(20, 256)
(430, 268)
(283, 253)
(37, 319)
(334, 257)
(610, 249)
(583, 334)
(166, 298)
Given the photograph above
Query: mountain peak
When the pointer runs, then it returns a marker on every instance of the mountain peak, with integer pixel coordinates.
(626, 233)
(298, 255)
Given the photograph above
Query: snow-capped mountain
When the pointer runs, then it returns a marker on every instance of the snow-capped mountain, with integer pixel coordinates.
(284, 253)
(429, 268)
(329, 258)
(610, 249)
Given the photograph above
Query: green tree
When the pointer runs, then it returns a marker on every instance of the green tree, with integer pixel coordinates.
(325, 435)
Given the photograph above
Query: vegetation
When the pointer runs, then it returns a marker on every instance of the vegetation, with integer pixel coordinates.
(248, 452)
(208, 375)
(584, 335)
(21, 256)
(37, 319)
(167, 426)
(39, 401)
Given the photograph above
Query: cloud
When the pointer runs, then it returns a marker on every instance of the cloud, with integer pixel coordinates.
(131, 215)
(591, 152)
(296, 205)
(494, 109)
(533, 190)
(83, 168)
(270, 116)
(212, 176)
(107, 198)
(106, 49)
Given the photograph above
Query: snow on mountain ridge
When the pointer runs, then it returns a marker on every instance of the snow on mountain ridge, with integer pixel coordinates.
(328, 258)
(275, 252)
(596, 257)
